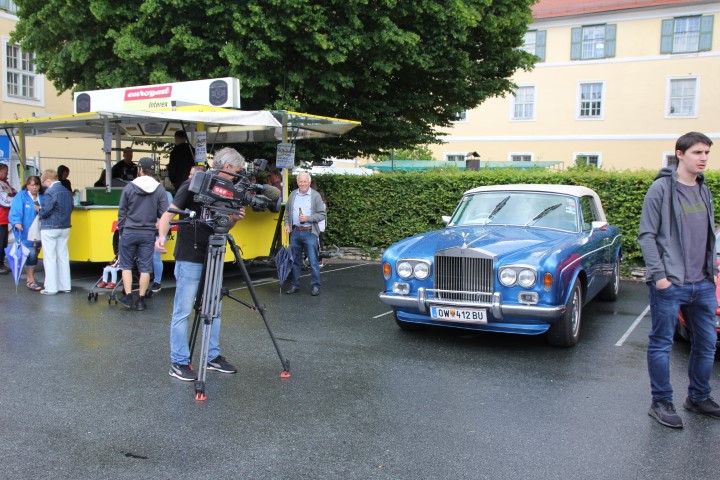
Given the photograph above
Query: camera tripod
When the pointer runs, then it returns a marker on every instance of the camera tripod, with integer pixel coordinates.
(207, 303)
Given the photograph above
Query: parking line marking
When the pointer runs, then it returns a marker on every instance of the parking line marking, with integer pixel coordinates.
(632, 327)
(306, 275)
(382, 314)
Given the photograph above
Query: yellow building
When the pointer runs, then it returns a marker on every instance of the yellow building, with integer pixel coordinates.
(617, 82)
(26, 93)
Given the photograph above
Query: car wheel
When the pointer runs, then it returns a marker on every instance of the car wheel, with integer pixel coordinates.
(566, 331)
(610, 292)
(407, 326)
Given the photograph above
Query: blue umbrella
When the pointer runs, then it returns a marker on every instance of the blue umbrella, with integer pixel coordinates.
(16, 255)
(283, 263)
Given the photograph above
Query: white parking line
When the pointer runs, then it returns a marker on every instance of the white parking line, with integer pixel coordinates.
(306, 275)
(382, 314)
(632, 327)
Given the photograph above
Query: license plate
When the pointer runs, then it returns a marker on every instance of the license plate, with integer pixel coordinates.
(473, 315)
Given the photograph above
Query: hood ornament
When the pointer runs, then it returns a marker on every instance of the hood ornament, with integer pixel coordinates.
(465, 236)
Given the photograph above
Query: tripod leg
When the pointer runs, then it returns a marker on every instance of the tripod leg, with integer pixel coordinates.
(210, 305)
(285, 363)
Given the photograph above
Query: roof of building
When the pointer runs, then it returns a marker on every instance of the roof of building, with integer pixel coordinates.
(566, 8)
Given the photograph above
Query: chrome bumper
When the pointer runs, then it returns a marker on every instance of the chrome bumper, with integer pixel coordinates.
(498, 310)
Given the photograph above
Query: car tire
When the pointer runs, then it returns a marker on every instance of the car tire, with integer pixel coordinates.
(407, 326)
(566, 331)
(610, 292)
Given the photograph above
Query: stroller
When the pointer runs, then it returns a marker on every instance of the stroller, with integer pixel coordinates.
(113, 273)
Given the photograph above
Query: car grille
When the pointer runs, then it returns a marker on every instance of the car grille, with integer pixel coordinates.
(463, 274)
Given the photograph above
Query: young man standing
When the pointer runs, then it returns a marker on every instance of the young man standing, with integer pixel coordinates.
(142, 202)
(678, 244)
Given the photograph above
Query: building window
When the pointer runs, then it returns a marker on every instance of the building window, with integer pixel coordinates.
(521, 157)
(20, 72)
(593, 42)
(588, 159)
(461, 117)
(687, 34)
(590, 101)
(670, 160)
(534, 42)
(455, 157)
(682, 97)
(9, 6)
(523, 103)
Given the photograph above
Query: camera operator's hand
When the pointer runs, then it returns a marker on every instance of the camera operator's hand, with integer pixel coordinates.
(238, 216)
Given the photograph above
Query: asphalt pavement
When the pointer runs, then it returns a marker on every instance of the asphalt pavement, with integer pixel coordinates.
(86, 392)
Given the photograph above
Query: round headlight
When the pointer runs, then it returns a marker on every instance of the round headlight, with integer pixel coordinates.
(421, 270)
(526, 278)
(508, 277)
(404, 269)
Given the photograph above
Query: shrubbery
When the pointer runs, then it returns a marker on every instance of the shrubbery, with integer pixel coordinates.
(378, 210)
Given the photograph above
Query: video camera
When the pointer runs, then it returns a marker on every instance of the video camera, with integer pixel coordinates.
(222, 196)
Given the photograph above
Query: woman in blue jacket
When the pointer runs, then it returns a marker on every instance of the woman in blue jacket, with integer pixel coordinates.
(22, 214)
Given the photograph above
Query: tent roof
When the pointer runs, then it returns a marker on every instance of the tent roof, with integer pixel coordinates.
(221, 125)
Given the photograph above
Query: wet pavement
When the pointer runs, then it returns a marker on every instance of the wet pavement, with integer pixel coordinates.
(86, 393)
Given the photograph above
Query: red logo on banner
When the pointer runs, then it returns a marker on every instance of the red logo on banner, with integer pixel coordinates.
(148, 93)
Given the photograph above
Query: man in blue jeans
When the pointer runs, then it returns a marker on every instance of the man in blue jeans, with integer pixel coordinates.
(304, 210)
(678, 244)
(190, 250)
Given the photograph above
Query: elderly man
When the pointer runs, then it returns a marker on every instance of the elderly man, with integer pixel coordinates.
(190, 250)
(305, 209)
(55, 213)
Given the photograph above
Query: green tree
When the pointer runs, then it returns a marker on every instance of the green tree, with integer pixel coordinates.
(421, 152)
(403, 68)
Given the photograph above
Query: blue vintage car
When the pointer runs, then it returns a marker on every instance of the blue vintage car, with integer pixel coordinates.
(520, 259)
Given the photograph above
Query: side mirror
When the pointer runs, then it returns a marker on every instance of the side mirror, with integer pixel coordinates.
(599, 225)
(446, 219)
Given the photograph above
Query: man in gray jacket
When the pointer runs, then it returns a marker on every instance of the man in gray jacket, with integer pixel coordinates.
(142, 202)
(304, 210)
(677, 237)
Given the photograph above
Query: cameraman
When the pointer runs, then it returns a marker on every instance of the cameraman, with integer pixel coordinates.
(190, 251)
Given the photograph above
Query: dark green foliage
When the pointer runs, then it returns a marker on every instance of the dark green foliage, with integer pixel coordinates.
(378, 210)
(404, 69)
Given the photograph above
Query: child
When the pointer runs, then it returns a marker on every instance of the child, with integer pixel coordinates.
(110, 273)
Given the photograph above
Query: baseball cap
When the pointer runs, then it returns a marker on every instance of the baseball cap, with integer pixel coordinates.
(147, 164)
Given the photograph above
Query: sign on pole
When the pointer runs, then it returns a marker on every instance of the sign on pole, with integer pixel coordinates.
(285, 157)
(201, 148)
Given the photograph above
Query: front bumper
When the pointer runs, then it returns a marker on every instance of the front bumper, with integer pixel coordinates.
(421, 304)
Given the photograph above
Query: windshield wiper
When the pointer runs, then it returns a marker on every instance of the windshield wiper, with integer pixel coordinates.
(542, 214)
(495, 210)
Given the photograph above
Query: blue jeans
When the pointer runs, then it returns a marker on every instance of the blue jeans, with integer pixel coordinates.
(299, 240)
(699, 307)
(187, 275)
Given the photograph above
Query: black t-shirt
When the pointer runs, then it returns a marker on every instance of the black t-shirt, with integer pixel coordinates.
(192, 240)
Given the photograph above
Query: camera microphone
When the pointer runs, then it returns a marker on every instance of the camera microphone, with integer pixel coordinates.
(185, 213)
(272, 193)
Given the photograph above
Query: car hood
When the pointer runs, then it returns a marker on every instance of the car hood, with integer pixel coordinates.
(500, 241)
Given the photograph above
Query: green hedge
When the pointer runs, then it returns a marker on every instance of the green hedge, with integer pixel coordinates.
(378, 210)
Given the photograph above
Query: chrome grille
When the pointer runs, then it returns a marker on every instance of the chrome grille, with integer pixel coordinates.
(465, 278)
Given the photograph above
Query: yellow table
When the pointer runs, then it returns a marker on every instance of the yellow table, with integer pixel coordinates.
(92, 231)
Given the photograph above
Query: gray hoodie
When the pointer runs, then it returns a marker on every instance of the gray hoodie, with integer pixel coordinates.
(142, 202)
(660, 230)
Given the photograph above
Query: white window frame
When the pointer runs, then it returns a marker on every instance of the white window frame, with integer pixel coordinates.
(39, 86)
(529, 154)
(687, 36)
(464, 117)
(577, 154)
(665, 157)
(603, 99)
(530, 41)
(455, 154)
(513, 103)
(669, 98)
(591, 44)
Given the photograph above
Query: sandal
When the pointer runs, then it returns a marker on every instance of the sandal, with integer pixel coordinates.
(34, 287)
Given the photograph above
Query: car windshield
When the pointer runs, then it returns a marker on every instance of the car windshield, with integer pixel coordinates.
(530, 209)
